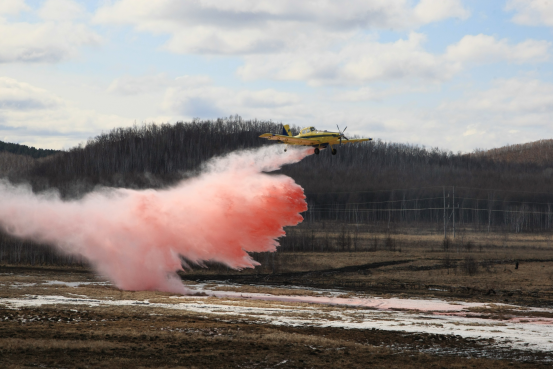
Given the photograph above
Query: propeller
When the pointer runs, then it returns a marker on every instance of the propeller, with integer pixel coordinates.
(342, 133)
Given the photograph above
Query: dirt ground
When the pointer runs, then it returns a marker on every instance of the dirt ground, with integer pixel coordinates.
(489, 275)
(62, 337)
(128, 336)
(132, 334)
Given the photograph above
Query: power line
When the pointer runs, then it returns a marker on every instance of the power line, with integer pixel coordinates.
(391, 201)
(423, 209)
(373, 191)
(461, 200)
(429, 187)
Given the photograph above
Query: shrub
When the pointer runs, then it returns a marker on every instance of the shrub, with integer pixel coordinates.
(446, 243)
(448, 263)
(470, 266)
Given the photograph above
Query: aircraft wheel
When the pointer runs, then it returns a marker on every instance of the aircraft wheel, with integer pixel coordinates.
(334, 151)
(316, 151)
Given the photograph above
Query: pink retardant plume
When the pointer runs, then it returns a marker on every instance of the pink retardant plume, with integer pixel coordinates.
(135, 238)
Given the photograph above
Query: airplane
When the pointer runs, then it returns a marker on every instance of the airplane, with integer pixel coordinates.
(310, 136)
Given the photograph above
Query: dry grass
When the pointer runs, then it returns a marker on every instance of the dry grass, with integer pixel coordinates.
(267, 290)
(509, 311)
(123, 337)
(425, 266)
(411, 244)
(536, 276)
(282, 337)
(54, 344)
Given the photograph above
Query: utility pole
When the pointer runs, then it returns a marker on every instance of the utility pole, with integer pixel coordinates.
(453, 212)
(490, 208)
(445, 234)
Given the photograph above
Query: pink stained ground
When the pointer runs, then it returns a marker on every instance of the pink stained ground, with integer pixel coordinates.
(432, 306)
(135, 237)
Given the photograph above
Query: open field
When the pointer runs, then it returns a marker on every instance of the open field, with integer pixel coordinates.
(415, 305)
(417, 266)
(71, 318)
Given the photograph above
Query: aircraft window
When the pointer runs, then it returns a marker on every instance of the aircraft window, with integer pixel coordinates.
(305, 131)
(312, 129)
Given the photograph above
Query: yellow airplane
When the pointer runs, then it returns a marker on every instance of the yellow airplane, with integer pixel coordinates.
(310, 136)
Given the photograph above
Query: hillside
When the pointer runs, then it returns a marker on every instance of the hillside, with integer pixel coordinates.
(158, 155)
(537, 152)
(370, 182)
(11, 164)
(18, 149)
(376, 186)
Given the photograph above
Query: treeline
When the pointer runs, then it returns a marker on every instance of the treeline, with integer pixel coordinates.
(156, 155)
(386, 183)
(367, 182)
(12, 165)
(379, 183)
(17, 251)
(18, 149)
(148, 156)
(538, 152)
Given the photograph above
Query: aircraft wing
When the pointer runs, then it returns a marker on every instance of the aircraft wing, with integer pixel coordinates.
(356, 140)
(290, 140)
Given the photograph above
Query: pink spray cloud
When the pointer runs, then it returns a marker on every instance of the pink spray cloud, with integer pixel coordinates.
(136, 238)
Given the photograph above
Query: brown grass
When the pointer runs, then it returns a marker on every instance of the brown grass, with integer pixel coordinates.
(54, 344)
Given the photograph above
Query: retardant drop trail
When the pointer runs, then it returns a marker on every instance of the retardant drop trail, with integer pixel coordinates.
(135, 237)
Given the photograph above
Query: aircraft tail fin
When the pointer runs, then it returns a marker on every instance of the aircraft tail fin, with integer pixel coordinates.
(286, 130)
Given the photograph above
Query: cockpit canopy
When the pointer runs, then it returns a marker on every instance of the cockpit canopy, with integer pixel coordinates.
(307, 130)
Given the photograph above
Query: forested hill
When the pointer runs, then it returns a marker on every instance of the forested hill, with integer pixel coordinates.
(538, 152)
(18, 149)
(377, 179)
(150, 155)
(157, 155)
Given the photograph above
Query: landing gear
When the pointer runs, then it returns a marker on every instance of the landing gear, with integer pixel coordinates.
(316, 151)
(333, 151)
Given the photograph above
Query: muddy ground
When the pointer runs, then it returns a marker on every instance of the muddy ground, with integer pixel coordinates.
(364, 278)
(62, 337)
(67, 336)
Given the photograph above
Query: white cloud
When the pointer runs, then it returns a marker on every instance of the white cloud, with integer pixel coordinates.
(520, 101)
(43, 42)
(531, 12)
(323, 42)
(196, 96)
(363, 94)
(32, 115)
(428, 11)
(19, 96)
(267, 98)
(360, 61)
(510, 111)
(52, 40)
(377, 94)
(133, 85)
(61, 10)
(13, 6)
(487, 49)
(365, 60)
(513, 110)
(264, 26)
(403, 59)
(481, 119)
(472, 130)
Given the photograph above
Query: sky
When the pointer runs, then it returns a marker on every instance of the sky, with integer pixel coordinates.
(455, 74)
